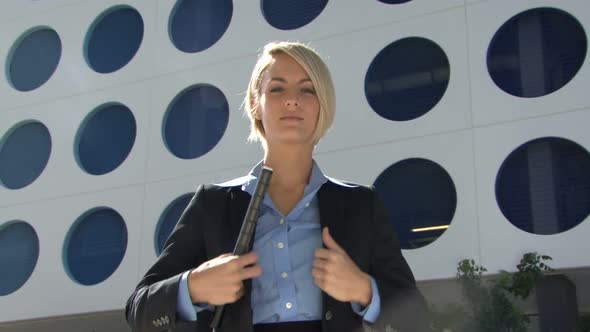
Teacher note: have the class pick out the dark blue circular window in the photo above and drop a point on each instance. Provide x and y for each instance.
(33, 58)
(95, 246)
(536, 52)
(543, 186)
(291, 14)
(420, 199)
(24, 153)
(113, 39)
(105, 138)
(19, 250)
(195, 121)
(195, 25)
(407, 79)
(394, 2)
(168, 220)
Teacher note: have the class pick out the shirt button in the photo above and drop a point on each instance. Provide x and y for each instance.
(280, 245)
(307, 204)
(284, 275)
(328, 315)
(282, 221)
(289, 305)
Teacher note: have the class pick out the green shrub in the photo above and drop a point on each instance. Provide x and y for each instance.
(491, 304)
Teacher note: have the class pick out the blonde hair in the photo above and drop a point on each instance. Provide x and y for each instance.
(318, 72)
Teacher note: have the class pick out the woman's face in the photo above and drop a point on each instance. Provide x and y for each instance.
(289, 106)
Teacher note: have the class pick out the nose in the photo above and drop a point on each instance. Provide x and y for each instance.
(291, 103)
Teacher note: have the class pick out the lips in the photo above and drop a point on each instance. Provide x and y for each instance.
(292, 118)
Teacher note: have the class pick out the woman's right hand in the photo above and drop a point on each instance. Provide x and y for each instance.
(220, 280)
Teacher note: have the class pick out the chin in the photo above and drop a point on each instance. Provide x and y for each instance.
(293, 141)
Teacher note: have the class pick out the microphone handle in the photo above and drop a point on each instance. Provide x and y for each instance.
(247, 231)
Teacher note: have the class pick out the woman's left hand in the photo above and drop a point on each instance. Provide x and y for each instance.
(336, 273)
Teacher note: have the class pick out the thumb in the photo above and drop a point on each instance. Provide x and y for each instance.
(329, 241)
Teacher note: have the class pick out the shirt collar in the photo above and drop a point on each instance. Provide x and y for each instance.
(316, 180)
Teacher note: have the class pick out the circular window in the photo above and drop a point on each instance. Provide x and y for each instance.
(113, 39)
(536, 52)
(407, 79)
(195, 25)
(95, 246)
(291, 14)
(543, 186)
(33, 58)
(105, 138)
(195, 121)
(168, 220)
(420, 199)
(24, 153)
(19, 251)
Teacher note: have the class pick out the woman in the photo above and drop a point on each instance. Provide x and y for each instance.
(324, 257)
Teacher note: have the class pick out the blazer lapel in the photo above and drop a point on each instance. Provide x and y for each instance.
(328, 218)
(329, 210)
(238, 315)
(335, 213)
(238, 204)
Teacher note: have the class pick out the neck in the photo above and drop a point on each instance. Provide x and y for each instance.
(291, 165)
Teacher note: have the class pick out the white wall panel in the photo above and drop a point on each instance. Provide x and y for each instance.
(13, 10)
(373, 12)
(50, 291)
(246, 34)
(502, 244)
(62, 175)
(349, 57)
(493, 105)
(248, 30)
(73, 75)
(232, 150)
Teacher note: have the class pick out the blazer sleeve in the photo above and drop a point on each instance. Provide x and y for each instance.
(403, 308)
(152, 306)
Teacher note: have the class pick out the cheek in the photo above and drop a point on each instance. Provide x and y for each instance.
(270, 103)
(262, 107)
(313, 104)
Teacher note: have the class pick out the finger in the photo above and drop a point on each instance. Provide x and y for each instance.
(240, 292)
(219, 260)
(325, 254)
(319, 281)
(247, 259)
(251, 272)
(233, 297)
(329, 241)
(317, 274)
(224, 258)
(320, 264)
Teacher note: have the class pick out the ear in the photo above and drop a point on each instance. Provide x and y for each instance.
(254, 108)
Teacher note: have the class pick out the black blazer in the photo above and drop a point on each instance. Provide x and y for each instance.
(210, 226)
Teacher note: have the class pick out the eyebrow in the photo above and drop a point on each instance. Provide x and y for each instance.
(281, 79)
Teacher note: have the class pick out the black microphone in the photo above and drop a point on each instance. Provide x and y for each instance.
(247, 231)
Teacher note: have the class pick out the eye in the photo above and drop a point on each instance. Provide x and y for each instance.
(308, 90)
(276, 89)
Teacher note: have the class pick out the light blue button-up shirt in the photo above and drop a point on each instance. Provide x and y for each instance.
(285, 246)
